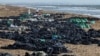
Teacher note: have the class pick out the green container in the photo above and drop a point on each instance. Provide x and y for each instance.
(86, 19)
(79, 20)
(55, 36)
(82, 25)
(92, 22)
(87, 26)
(42, 40)
(9, 22)
(82, 22)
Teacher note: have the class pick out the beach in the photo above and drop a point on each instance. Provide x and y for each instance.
(78, 50)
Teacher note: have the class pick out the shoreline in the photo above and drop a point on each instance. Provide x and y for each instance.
(80, 12)
(8, 10)
(36, 28)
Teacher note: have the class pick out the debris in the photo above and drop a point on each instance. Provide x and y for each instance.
(5, 54)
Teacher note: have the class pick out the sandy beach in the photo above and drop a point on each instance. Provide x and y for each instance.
(78, 50)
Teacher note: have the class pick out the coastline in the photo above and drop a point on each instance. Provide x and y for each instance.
(79, 50)
(8, 10)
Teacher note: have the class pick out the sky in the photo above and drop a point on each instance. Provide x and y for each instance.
(83, 2)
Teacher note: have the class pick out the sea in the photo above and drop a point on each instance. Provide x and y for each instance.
(91, 10)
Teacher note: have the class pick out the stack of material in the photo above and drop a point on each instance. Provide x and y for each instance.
(5, 54)
(50, 37)
(82, 22)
